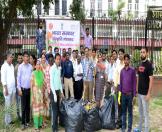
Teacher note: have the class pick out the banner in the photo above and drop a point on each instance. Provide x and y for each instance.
(63, 34)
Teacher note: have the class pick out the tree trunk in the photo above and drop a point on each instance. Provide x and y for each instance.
(4, 31)
(3, 48)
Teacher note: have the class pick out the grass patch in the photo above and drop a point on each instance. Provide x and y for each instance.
(155, 117)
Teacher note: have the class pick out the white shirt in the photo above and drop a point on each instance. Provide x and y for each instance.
(117, 71)
(74, 61)
(78, 69)
(110, 72)
(40, 30)
(8, 77)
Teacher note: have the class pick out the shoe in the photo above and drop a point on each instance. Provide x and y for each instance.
(12, 122)
(37, 130)
(23, 127)
(118, 126)
(129, 130)
(137, 130)
(122, 130)
(28, 125)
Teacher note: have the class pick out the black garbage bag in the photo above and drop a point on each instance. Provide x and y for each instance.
(92, 120)
(107, 113)
(62, 114)
(73, 115)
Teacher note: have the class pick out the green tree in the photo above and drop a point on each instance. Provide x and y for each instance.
(77, 10)
(129, 15)
(115, 14)
(9, 11)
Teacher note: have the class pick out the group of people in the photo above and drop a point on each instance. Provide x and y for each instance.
(41, 83)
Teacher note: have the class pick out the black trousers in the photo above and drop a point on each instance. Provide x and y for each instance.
(55, 110)
(25, 105)
(119, 121)
(78, 89)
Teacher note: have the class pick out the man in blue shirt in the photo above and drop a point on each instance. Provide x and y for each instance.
(68, 76)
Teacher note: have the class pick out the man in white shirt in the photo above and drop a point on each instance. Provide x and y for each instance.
(74, 58)
(104, 59)
(119, 66)
(8, 82)
(110, 74)
(78, 79)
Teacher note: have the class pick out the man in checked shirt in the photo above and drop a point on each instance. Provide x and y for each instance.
(88, 78)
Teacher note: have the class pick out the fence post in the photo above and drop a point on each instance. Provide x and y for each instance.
(93, 30)
(146, 32)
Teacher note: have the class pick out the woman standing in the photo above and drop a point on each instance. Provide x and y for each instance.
(45, 91)
(33, 61)
(43, 63)
(100, 80)
(37, 83)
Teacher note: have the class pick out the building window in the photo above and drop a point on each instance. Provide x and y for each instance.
(64, 7)
(99, 8)
(57, 8)
(46, 10)
(136, 5)
(110, 5)
(92, 8)
(92, 4)
(136, 14)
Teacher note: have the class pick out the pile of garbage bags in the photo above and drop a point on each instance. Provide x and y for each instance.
(85, 116)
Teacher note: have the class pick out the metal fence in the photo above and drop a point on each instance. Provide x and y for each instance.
(107, 35)
(127, 34)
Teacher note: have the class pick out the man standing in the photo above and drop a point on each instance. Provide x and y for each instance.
(110, 74)
(74, 58)
(117, 71)
(23, 85)
(56, 91)
(8, 82)
(88, 69)
(104, 58)
(69, 51)
(68, 72)
(40, 39)
(49, 52)
(145, 81)
(94, 57)
(115, 57)
(87, 38)
(18, 98)
(128, 90)
(78, 79)
(56, 50)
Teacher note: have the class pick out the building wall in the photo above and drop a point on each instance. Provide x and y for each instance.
(142, 7)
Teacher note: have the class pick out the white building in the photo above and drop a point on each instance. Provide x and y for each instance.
(100, 8)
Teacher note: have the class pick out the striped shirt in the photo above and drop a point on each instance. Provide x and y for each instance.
(88, 68)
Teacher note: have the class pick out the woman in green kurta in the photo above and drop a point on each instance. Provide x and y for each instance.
(37, 83)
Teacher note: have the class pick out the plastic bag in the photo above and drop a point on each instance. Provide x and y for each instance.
(107, 113)
(92, 120)
(73, 112)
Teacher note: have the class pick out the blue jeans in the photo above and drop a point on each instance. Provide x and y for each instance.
(127, 106)
(143, 112)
